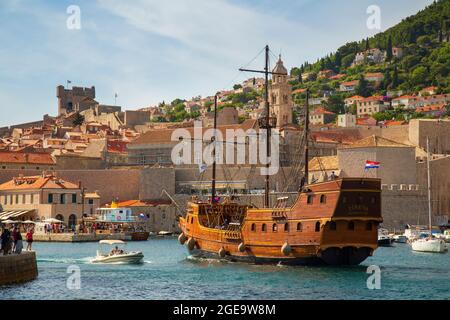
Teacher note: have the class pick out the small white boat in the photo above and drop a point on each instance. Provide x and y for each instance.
(400, 238)
(117, 254)
(384, 240)
(429, 245)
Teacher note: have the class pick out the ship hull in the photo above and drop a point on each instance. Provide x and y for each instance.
(332, 257)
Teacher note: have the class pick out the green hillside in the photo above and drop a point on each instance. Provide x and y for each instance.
(425, 62)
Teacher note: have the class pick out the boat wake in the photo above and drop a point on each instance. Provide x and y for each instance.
(86, 260)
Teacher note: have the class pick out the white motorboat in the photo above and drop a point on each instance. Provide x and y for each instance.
(117, 254)
(429, 245)
(400, 238)
(384, 240)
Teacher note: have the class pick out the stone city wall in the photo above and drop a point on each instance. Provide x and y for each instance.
(16, 268)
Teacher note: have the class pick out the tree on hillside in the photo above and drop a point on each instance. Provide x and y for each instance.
(78, 120)
(362, 89)
(389, 49)
(335, 103)
(367, 44)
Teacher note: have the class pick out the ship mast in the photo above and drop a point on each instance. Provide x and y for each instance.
(306, 178)
(213, 140)
(267, 122)
(429, 185)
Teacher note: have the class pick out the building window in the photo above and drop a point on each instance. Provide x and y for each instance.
(253, 227)
(74, 198)
(274, 227)
(317, 226)
(310, 199)
(50, 198)
(62, 198)
(91, 201)
(299, 226)
(31, 198)
(323, 198)
(351, 225)
(17, 199)
(72, 221)
(286, 227)
(263, 227)
(369, 226)
(333, 226)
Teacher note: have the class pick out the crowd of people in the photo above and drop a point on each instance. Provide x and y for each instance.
(12, 241)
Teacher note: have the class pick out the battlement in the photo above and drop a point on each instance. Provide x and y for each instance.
(400, 187)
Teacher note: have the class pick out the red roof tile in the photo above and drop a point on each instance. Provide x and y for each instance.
(26, 158)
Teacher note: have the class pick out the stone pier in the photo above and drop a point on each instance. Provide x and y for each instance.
(17, 268)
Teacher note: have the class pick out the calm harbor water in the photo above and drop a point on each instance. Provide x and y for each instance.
(169, 273)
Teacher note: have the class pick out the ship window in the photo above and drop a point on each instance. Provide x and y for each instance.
(344, 199)
(274, 227)
(253, 227)
(369, 226)
(351, 225)
(299, 226)
(323, 198)
(286, 227)
(318, 226)
(372, 200)
(264, 228)
(310, 199)
(333, 225)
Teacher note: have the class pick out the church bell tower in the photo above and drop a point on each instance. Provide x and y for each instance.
(280, 96)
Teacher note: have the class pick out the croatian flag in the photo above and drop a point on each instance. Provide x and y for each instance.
(372, 165)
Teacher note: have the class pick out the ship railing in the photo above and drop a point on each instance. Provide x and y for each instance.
(233, 231)
(279, 214)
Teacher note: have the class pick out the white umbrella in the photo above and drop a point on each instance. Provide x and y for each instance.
(52, 220)
(28, 221)
(9, 221)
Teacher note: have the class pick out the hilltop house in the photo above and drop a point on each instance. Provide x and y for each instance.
(348, 86)
(320, 116)
(370, 105)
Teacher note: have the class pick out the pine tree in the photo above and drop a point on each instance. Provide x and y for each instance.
(367, 44)
(389, 49)
(78, 120)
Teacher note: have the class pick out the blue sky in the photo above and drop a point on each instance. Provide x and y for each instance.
(150, 50)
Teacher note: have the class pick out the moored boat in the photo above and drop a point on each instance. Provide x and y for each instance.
(429, 245)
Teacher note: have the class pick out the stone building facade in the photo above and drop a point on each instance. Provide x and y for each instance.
(76, 99)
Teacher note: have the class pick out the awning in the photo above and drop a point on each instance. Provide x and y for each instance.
(13, 214)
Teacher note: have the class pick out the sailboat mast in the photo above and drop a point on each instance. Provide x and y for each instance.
(213, 139)
(429, 183)
(306, 137)
(266, 101)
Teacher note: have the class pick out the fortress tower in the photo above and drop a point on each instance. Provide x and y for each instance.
(280, 96)
(74, 100)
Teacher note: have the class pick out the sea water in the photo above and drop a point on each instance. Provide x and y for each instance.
(168, 272)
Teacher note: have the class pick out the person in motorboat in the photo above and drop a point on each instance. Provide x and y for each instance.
(116, 251)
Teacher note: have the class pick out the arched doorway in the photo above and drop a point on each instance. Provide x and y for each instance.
(60, 217)
(72, 220)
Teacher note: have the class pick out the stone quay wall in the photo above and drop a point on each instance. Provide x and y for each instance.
(17, 268)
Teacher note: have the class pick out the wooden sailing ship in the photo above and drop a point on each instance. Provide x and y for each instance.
(333, 222)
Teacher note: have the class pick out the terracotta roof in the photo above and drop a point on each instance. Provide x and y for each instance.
(335, 136)
(142, 203)
(350, 83)
(117, 146)
(405, 97)
(374, 74)
(323, 163)
(321, 110)
(390, 123)
(37, 182)
(164, 135)
(375, 141)
(26, 158)
(372, 98)
(298, 91)
(367, 121)
(354, 98)
(436, 107)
